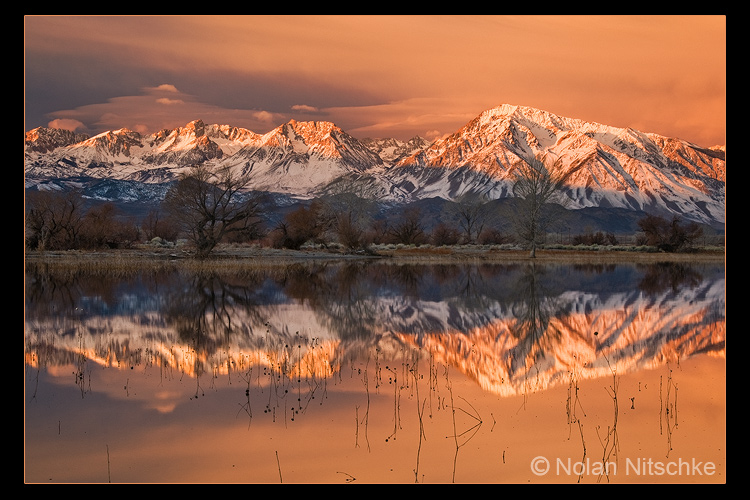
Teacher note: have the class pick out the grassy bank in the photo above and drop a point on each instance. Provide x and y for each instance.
(253, 256)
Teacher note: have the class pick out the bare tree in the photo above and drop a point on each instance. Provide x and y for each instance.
(155, 225)
(537, 187)
(470, 212)
(668, 236)
(298, 227)
(210, 205)
(409, 230)
(54, 219)
(445, 234)
(348, 208)
(103, 227)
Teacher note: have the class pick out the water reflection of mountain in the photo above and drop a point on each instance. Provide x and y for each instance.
(510, 327)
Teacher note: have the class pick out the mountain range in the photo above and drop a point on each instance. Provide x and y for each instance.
(616, 174)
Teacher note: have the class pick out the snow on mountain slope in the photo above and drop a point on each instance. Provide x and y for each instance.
(301, 158)
(609, 167)
(297, 157)
(43, 140)
(393, 150)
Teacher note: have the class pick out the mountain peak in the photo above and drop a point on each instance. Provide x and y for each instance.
(393, 150)
(312, 130)
(612, 168)
(196, 127)
(321, 140)
(527, 114)
(44, 139)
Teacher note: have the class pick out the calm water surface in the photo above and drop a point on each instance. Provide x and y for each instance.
(370, 372)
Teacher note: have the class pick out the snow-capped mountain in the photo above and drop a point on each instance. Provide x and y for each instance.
(393, 150)
(42, 139)
(612, 168)
(297, 158)
(302, 158)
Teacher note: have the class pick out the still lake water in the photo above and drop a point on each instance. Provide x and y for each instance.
(373, 372)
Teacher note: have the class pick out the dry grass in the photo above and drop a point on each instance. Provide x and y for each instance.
(253, 256)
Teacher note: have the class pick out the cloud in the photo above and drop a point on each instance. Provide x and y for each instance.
(168, 102)
(166, 87)
(264, 116)
(432, 135)
(304, 107)
(157, 108)
(387, 76)
(160, 90)
(66, 124)
(426, 117)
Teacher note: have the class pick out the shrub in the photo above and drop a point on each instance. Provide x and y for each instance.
(444, 234)
(597, 238)
(409, 229)
(298, 227)
(492, 237)
(668, 236)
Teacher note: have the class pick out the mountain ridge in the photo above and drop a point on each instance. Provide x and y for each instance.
(613, 167)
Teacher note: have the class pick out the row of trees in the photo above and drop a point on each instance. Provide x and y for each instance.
(209, 207)
(317, 223)
(62, 220)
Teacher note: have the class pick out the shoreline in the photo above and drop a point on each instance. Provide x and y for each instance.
(253, 256)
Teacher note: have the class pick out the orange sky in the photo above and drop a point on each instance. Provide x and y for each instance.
(376, 76)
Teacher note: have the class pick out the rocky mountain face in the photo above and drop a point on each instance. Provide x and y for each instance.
(610, 167)
(392, 150)
(615, 169)
(43, 140)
